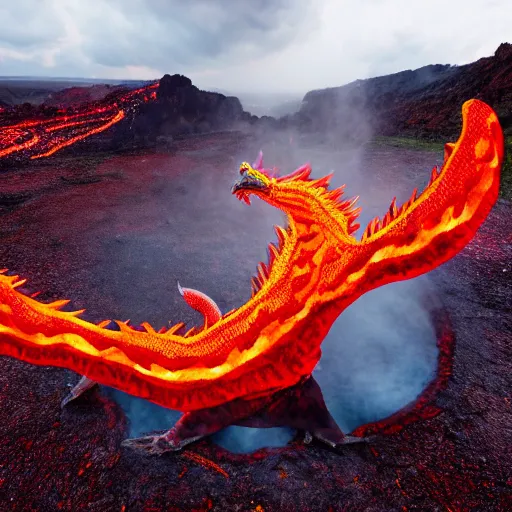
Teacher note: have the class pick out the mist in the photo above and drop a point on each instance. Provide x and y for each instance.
(380, 353)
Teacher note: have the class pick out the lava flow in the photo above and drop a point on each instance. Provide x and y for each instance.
(38, 138)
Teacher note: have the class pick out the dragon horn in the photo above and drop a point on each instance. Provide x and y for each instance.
(201, 302)
(258, 164)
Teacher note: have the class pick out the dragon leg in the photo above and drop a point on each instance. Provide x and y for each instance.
(196, 425)
(83, 385)
(301, 407)
(195, 299)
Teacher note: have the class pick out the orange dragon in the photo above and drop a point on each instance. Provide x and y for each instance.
(241, 364)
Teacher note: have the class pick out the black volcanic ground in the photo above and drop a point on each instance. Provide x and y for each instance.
(114, 233)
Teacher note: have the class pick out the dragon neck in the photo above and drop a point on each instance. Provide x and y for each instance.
(316, 271)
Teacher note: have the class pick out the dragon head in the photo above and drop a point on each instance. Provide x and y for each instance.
(302, 198)
(252, 181)
(408, 240)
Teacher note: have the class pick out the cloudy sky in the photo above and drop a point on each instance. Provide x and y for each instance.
(246, 45)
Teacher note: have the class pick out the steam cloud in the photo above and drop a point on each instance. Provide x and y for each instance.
(379, 354)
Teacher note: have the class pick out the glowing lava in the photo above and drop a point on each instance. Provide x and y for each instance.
(316, 270)
(38, 138)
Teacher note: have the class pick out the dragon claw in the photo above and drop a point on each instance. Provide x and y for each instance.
(354, 440)
(338, 443)
(83, 385)
(152, 445)
(158, 444)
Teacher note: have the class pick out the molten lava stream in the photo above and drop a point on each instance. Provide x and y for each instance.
(39, 138)
(120, 115)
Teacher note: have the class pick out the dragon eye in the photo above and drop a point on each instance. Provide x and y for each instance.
(244, 168)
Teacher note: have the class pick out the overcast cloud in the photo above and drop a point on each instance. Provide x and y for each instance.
(246, 46)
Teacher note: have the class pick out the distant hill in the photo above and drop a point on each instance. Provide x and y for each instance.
(16, 90)
(421, 103)
(114, 118)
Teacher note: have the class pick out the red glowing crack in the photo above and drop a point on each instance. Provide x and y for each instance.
(40, 138)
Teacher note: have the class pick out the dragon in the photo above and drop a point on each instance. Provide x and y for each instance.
(253, 364)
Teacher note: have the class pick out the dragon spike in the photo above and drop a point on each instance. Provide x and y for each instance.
(347, 206)
(448, 150)
(273, 253)
(410, 201)
(281, 235)
(353, 214)
(148, 327)
(352, 202)
(35, 294)
(103, 323)
(76, 313)
(190, 332)
(337, 193)
(3, 270)
(353, 228)
(254, 285)
(163, 330)
(375, 225)
(58, 304)
(393, 209)
(258, 164)
(433, 176)
(262, 271)
(123, 326)
(19, 283)
(174, 328)
(323, 182)
(371, 228)
(302, 173)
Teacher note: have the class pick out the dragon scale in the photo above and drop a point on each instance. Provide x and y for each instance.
(316, 270)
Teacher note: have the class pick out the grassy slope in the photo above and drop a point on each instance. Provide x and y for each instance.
(506, 171)
(402, 142)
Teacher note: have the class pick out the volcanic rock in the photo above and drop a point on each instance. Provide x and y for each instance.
(454, 455)
(75, 96)
(182, 109)
(418, 103)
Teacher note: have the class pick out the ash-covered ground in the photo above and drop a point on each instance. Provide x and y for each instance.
(115, 233)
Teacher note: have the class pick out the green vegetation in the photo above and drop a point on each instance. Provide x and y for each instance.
(406, 143)
(506, 172)
(425, 145)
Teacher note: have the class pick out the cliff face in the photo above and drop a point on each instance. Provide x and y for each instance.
(422, 103)
(181, 108)
(149, 116)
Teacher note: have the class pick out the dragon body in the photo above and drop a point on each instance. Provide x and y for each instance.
(316, 270)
